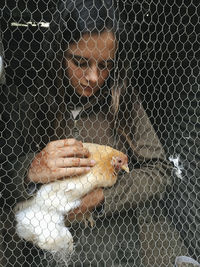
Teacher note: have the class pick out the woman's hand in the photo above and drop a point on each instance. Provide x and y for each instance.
(60, 159)
(88, 203)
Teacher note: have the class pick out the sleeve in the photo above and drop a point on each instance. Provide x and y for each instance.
(16, 187)
(16, 153)
(148, 177)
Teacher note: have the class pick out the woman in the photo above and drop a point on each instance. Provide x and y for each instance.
(84, 96)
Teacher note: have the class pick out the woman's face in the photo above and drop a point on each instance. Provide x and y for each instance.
(89, 62)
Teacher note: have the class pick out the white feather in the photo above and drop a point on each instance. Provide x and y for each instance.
(40, 220)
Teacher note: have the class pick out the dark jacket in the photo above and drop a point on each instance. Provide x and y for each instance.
(129, 131)
(38, 121)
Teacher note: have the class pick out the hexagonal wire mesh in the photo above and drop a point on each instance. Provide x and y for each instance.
(124, 74)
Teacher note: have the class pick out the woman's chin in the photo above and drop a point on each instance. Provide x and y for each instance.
(87, 92)
(87, 95)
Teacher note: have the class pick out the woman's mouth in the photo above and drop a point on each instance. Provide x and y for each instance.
(87, 90)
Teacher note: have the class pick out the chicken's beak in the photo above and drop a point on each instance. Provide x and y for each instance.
(125, 168)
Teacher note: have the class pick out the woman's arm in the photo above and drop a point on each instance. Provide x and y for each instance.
(148, 179)
(151, 175)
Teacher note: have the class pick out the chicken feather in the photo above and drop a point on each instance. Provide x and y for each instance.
(41, 219)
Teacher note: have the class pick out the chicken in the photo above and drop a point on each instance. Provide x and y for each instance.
(41, 219)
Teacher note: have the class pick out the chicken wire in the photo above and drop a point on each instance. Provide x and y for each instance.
(162, 58)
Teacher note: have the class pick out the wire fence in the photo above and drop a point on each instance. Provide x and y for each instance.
(121, 74)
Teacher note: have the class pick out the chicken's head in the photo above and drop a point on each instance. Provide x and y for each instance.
(109, 162)
(113, 163)
(119, 163)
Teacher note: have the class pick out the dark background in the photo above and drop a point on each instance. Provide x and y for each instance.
(164, 55)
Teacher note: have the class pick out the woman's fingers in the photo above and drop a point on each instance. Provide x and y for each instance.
(72, 162)
(67, 148)
(73, 151)
(60, 159)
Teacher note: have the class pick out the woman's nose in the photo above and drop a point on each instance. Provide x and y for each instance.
(92, 74)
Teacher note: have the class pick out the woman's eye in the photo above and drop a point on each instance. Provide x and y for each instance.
(80, 63)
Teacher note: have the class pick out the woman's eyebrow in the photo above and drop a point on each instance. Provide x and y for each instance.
(69, 55)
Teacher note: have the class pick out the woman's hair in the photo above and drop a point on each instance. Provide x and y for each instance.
(74, 18)
(71, 20)
(91, 16)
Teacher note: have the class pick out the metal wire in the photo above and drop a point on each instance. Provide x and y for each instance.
(149, 220)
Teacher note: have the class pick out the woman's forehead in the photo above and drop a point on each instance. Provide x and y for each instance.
(95, 45)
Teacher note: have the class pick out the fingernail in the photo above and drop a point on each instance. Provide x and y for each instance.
(93, 161)
(88, 168)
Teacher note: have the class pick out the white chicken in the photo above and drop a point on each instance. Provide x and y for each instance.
(41, 219)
